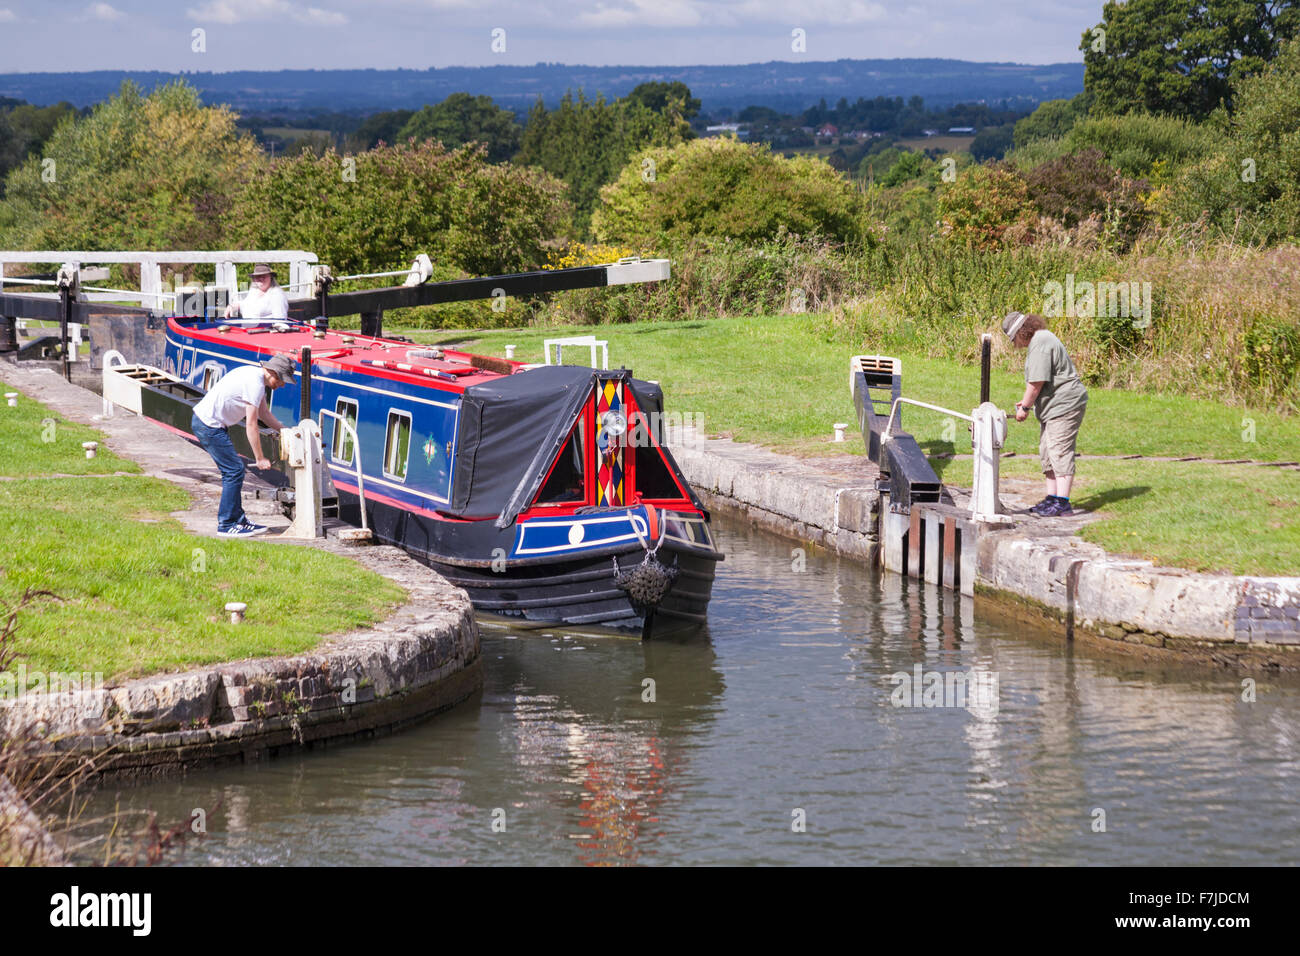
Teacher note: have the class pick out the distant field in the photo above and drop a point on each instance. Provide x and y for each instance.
(289, 132)
(949, 144)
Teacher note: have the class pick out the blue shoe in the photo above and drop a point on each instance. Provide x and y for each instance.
(245, 529)
(1058, 508)
(1042, 506)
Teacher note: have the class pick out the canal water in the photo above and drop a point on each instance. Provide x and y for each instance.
(807, 726)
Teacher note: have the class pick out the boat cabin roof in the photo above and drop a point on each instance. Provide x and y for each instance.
(442, 368)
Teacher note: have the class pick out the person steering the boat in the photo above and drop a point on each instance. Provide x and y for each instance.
(265, 299)
(240, 393)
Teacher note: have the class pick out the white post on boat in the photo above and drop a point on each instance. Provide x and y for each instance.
(300, 447)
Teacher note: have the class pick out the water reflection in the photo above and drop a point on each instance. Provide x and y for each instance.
(597, 751)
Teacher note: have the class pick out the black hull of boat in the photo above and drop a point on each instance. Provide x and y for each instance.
(579, 593)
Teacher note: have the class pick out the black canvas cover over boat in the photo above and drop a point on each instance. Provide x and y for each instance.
(510, 430)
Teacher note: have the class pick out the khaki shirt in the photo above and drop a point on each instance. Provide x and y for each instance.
(1049, 363)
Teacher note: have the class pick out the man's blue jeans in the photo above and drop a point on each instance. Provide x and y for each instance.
(216, 442)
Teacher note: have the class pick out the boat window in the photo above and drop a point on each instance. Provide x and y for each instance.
(397, 445)
(342, 451)
(653, 479)
(210, 375)
(565, 482)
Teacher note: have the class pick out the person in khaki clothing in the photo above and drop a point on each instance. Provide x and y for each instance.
(1054, 389)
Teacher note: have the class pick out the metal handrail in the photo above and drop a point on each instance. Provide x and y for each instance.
(126, 293)
(356, 447)
(886, 437)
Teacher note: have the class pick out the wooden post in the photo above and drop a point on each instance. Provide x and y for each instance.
(986, 365)
(933, 528)
(893, 529)
(304, 385)
(914, 543)
(65, 315)
(966, 557)
(949, 576)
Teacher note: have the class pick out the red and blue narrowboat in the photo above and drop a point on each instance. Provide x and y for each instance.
(546, 492)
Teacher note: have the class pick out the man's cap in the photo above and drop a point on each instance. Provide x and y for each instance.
(1012, 323)
(262, 269)
(281, 366)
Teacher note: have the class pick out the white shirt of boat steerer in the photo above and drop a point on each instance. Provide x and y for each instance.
(227, 401)
(264, 300)
(271, 304)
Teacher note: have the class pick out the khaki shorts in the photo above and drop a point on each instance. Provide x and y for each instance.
(1056, 443)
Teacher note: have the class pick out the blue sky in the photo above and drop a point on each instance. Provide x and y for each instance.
(57, 35)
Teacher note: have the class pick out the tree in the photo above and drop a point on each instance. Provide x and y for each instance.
(1052, 119)
(1136, 142)
(991, 142)
(1084, 186)
(379, 128)
(759, 116)
(673, 100)
(384, 206)
(461, 119)
(1255, 173)
(587, 142)
(981, 208)
(24, 130)
(139, 172)
(723, 187)
(1176, 57)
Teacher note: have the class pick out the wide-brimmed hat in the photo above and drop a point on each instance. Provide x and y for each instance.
(1012, 323)
(262, 269)
(281, 366)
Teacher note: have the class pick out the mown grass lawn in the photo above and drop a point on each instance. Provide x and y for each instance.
(782, 382)
(1238, 519)
(35, 440)
(137, 593)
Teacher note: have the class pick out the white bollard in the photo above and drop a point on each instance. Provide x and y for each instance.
(510, 351)
(300, 447)
(12, 399)
(988, 434)
(90, 447)
(236, 609)
(839, 430)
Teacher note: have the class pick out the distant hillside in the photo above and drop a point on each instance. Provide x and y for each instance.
(784, 86)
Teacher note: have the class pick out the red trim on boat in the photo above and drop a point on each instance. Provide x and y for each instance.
(361, 352)
(385, 499)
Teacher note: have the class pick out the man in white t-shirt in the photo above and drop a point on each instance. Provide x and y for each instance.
(239, 394)
(265, 299)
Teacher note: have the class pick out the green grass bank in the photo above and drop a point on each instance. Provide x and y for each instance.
(137, 594)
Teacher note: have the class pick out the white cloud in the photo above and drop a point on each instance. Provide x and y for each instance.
(326, 18)
(7, 15)
(253, 11)
(653, 13)
(105, 12)
(729, 13)
(834, 12)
